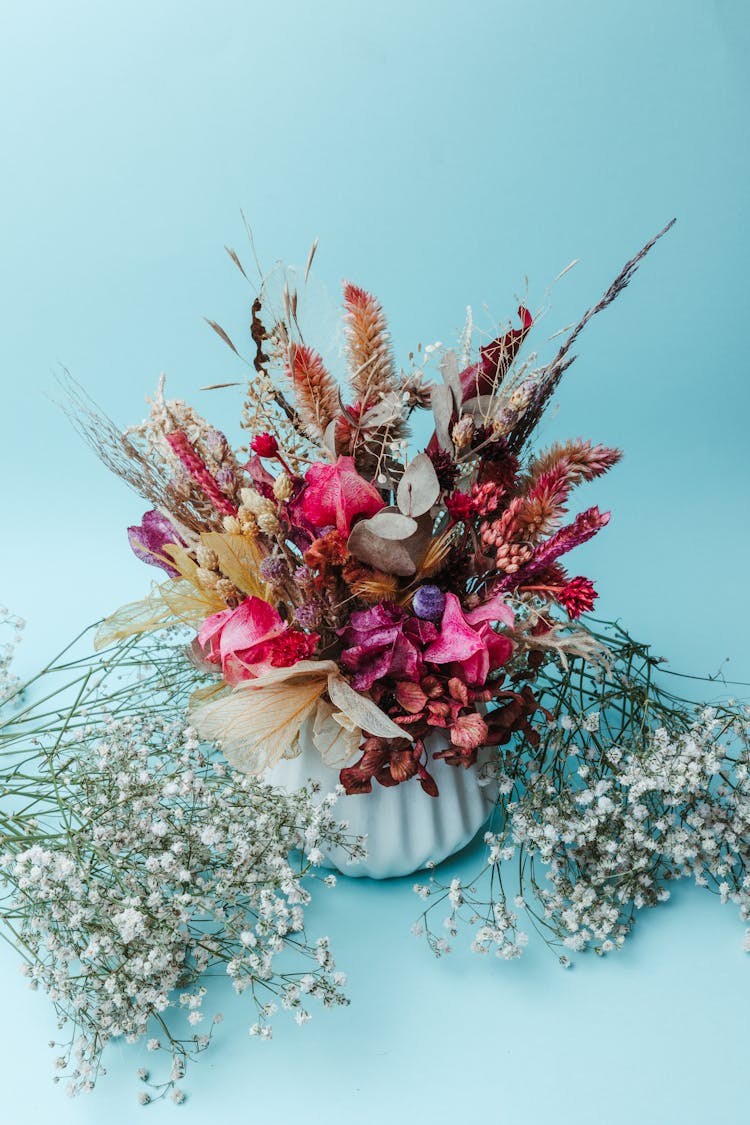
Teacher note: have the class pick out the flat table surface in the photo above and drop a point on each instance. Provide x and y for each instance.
(445, 156)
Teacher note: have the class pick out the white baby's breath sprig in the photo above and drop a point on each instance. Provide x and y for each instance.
(133, 863)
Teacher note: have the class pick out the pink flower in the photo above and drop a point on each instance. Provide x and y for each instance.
(251, 640)
(468, 639)
(336, 495)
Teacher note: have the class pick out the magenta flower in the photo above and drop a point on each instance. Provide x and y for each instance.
(336, 495)
(385, 641)
(149, 538)
(469, 641)
(251, 640)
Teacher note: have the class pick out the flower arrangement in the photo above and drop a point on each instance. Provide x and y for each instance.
(408, 612)
(334, 579)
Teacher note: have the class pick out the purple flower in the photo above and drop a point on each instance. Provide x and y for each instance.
(429, 603)
(385, 641)
(149, 538)
(275, 569)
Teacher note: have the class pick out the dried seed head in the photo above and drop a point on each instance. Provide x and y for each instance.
(282, 487)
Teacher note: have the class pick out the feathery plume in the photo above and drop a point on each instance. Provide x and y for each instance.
(555, 370)
(580, 459)
(583, 528)
(316, 393)
(372, 372)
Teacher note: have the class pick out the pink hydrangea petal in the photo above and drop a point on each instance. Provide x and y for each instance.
(500, 649)
(210, 628)
(496, 609)
(336, 494)
(457, 640)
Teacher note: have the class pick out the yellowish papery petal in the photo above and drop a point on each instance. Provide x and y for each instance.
(239, 559)
(181, 561)
(175, 601)
(143, 616)
(204, 694)
(259, 723)
(361, 709)
(190, 605)
(337, 743)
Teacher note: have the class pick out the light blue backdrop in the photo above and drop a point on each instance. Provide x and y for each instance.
(444, 154)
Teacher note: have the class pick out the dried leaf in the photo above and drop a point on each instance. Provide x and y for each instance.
(144, 616)
(419, 487)
(482, 407)
(385, 413)
(441, 401)
(329, 437)
(206, 693)
(361, 709)
(451, 377)
(390, 524)
(418, 543)
(220, 332)
(388, 555)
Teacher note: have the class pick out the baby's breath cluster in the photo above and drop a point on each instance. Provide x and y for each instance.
(135, 866)
(629, 789)
(11, 629)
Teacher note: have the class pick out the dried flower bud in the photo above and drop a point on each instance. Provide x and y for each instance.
(521, 396)
(206, 557)
(504, 422)
(268, 523)
(226, 589)
(231, 524)
(226, 480)
(282, 487)
(265, 445)
(463, 432)
(248, 523)
(309, 615)
(207, 578)
(257, 504)
(275, 570)
(216, 444)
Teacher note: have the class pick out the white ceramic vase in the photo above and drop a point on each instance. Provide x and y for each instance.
(405, 828)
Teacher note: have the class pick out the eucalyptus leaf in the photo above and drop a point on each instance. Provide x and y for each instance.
(419, 487)
(482, 407)
(390, 524)
(387, 555)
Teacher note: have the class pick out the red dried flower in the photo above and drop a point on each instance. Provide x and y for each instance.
(265, 445)
(459, 505)
(445, 468)
(578, 596)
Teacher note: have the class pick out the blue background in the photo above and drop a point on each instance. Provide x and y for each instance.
(445, 155)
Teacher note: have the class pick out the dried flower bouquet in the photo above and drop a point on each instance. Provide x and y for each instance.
(329, 581)
(337, 581)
